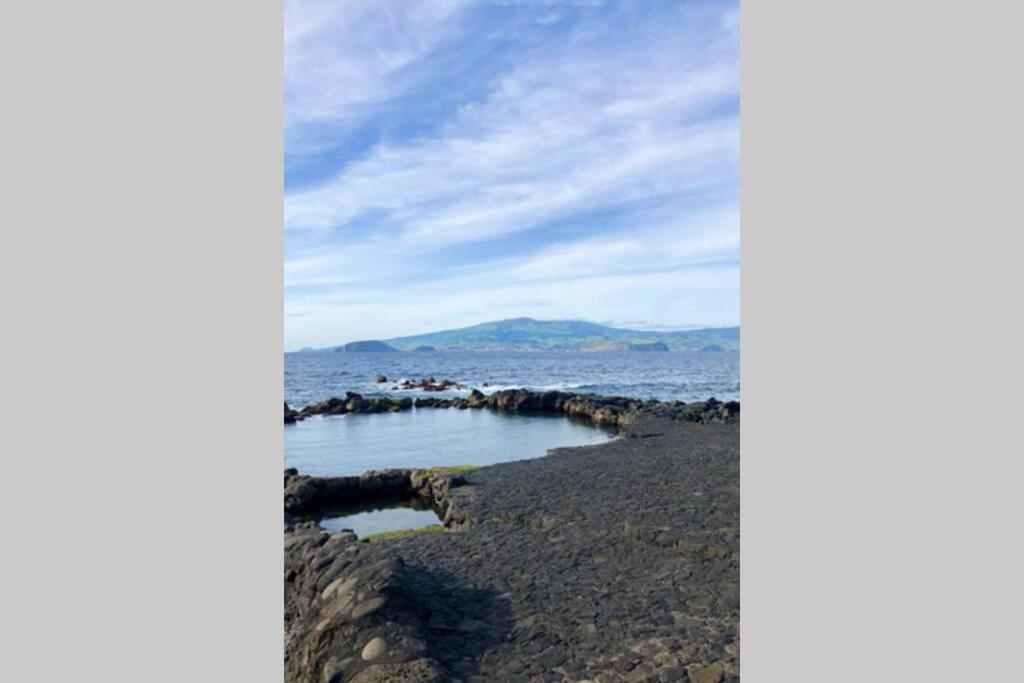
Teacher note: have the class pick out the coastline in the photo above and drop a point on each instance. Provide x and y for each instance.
(613, 411)
(614, 562)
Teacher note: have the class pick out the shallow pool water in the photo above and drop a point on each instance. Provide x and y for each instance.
(422, 438)
(375, 518)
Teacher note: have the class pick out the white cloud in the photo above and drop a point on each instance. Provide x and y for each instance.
(600, 121)
(342, 55)
(682, 271)
(556, 135)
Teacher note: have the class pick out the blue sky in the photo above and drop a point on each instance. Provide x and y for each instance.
(451, 162)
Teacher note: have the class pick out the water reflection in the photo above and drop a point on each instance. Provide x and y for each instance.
(380, 515)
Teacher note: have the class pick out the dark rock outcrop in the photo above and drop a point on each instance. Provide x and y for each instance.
(306, 496)
(353, 403)
(608, 411)
(614, 411)
(430, 384)
(348, 615)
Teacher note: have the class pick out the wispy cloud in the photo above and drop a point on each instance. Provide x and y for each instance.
(599, 149)
(340, 55)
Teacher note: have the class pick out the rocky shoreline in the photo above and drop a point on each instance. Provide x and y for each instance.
(608, 563)
(614, 411)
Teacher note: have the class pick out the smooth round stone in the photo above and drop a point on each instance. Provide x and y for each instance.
(364, 608)
(374, 649)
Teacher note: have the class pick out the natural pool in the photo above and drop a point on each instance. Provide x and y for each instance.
(373, 518)
(421, 438)
(342, 445)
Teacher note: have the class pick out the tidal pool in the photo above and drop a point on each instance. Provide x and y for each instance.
(346, 445)
(373, 518)
(342, 445)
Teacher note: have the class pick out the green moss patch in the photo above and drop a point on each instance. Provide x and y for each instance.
(386, 535)
(452, 469)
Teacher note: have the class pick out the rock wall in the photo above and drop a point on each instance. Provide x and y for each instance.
(613, 411)
(306, 496)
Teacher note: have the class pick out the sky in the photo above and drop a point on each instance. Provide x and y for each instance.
(452, 162)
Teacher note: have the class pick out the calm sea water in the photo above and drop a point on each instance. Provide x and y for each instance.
(338, 445)
(687, 376)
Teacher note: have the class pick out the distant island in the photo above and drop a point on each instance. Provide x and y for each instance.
(527, 334)
(364, 346)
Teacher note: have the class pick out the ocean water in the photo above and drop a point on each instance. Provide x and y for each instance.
(686, 376)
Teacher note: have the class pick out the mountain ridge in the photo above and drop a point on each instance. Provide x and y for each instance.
(529, 334)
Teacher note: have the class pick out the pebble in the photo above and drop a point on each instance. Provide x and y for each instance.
(374, 649)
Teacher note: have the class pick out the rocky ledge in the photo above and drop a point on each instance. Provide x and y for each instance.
(606, 564)
(615, 411)
(306, 496)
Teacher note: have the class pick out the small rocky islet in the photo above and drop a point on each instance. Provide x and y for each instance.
(608, 563)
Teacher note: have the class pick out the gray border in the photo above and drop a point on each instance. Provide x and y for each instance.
(142, 347)
(143, 341)
(880, 529)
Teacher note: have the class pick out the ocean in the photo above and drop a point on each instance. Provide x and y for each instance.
(686, 376)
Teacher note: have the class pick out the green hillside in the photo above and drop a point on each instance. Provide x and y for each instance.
(527, 334)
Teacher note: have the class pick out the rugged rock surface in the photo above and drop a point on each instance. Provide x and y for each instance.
(349, 615)
(352, 403)
(611, 563)
(306, 496)
(429, 384)
(613, 411)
